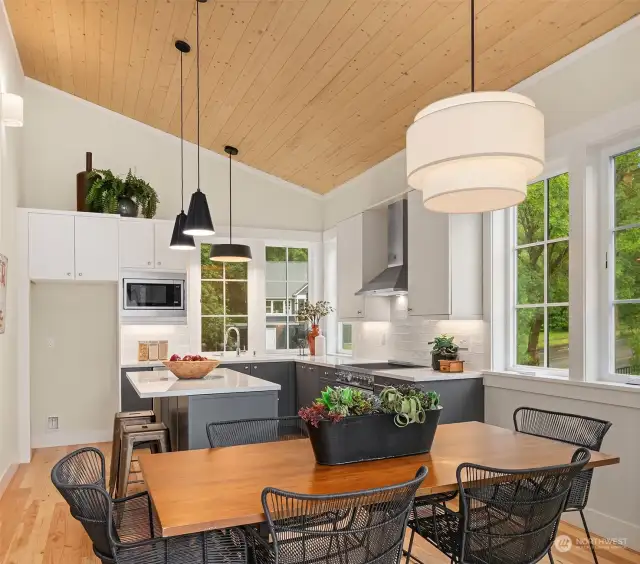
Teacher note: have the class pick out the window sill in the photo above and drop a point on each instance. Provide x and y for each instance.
(611, 393)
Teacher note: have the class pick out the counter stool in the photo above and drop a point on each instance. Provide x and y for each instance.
(155, 435)
(130, 418)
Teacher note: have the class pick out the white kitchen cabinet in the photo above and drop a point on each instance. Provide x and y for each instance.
(445, 263)
(51, 246)
(96, 248)
(137, 243)
(165, 257)
(361, 255)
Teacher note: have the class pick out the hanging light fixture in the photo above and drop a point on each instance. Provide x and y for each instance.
(475, 152)
(230, 252)
(198, 217)
(179, 240)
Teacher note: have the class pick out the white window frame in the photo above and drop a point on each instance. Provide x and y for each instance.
(513, 306)
(348, 352)
(608, 230)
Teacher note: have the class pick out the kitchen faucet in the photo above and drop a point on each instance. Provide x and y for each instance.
(226, 339)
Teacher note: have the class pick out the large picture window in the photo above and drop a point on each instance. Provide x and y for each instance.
(541, 258)
(223, 304)
(287, 286)
(624, 265)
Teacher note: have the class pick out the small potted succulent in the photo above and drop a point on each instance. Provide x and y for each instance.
(108, 193)
(313, 313)
(347, 425)
(443, 349)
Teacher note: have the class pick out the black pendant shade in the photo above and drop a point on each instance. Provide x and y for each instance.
(230, 252)
(179, 240)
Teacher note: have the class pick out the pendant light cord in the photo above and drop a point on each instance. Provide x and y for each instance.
(181, 139)
(198, 84)
(473, 46)
(230, 202)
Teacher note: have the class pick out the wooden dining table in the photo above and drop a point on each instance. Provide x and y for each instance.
(199, 490)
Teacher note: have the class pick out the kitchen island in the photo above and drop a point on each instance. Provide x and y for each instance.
(186, 406)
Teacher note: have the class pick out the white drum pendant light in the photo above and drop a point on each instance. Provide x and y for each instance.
(475, 152)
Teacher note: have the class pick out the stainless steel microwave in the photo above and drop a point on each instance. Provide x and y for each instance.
(151, 296)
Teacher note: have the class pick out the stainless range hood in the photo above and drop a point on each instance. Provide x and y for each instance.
(393, 280)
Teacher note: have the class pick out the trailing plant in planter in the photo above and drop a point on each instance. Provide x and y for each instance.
(109, 193)
(443, 349)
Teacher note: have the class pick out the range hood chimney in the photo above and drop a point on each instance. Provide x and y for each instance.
(393, 280)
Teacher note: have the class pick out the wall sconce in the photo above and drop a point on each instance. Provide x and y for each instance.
(11, 110)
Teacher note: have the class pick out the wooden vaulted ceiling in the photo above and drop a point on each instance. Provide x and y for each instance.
(312, 91)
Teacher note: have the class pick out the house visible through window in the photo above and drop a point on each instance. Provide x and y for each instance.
(624, 265)
(541, 323)
(223, 303)
(287, 286)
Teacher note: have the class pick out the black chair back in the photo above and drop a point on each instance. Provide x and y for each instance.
(253, 431)
(358, 528)
(577, 430)
(512, 516)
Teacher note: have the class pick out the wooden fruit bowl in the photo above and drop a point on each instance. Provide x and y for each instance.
(190, 370)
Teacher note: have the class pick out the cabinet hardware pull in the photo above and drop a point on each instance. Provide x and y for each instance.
(68, 273)
(79, 273)
(255, 367)
(149, 263)
(359, 312)
(159, 263)
(409, 309)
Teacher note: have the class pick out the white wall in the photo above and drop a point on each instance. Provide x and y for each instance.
(60, 128)
(614, 503)
(74, 362)
(11, 80)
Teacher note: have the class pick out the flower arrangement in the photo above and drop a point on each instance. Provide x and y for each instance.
(314, 312)
(407, 403)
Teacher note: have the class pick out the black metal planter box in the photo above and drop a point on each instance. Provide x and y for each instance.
(371, 437)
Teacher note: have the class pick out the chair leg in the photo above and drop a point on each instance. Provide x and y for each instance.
(126, 453)
(586, 530)
(550, 557)
(408, 551)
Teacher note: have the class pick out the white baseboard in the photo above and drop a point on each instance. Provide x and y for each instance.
(607, 526)
(6, 478)
(58, 438)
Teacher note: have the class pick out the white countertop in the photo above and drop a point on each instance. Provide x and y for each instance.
(417, 374)
(163, 384)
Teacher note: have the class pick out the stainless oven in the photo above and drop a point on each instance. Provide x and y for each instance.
(154, 295)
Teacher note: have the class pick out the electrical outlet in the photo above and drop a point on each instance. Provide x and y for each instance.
(463, 343)
(52, 422)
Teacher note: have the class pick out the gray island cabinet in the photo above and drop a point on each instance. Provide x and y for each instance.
(186, 406)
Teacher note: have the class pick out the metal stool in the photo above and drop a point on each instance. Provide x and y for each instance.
(120, 419)
(155, 434)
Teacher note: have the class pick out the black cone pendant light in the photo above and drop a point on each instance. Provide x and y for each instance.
(230, 252)
(179, 240)
(198, 217)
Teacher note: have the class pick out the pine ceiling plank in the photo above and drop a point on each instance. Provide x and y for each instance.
(124, 37)
(315, 40)
(75, 9)
(63, 44)
(48, 61)
(582, 33)
(330, 64)
(92, 16)
(214, 20)
(159, 38)
(287, 12)
(227, 71)
(108, 28)
(431, 29)
(238, 125)
(22, 28)
(169, 70)
(392, 40)
(145, 16)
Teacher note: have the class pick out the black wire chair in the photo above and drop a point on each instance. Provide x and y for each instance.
(505, 517)
(226, 546)
(568, 428)
(355, 528)
(80, 479)
(252, 431)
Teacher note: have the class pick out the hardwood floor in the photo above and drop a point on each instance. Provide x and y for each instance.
(36, 527)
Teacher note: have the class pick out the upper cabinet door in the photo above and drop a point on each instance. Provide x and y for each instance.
(96, 244)
(429, 264)
(51, 244)
(137, 243)
(350, 266)
(166, 258)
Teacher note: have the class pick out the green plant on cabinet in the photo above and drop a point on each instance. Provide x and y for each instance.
(107, 190)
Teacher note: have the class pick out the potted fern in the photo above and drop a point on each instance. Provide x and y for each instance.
(109, 193)
(346, 425)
